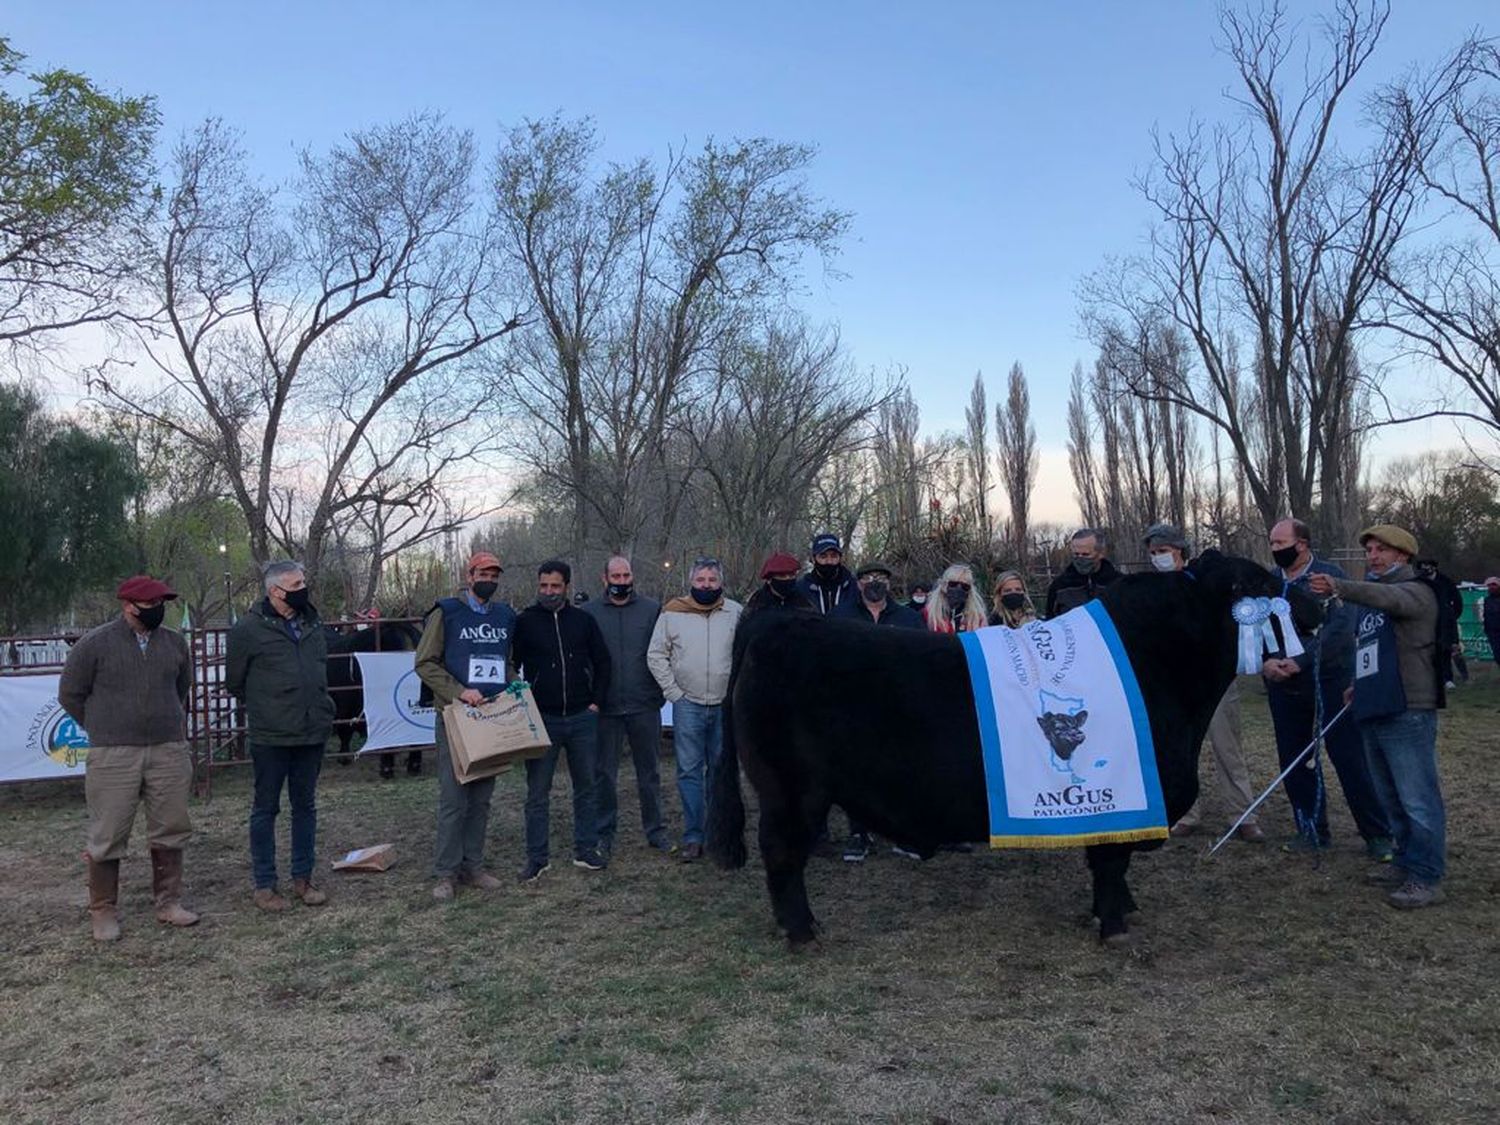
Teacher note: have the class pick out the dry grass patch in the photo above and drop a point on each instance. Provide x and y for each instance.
(968, 989)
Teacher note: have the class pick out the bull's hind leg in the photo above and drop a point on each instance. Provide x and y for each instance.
(786, 839)
(1112, 898)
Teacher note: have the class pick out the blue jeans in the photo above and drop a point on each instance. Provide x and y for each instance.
(1292, 717)
(297, 767)
(1402, 754)
(643, 730)
(578, 735)
(698, 739)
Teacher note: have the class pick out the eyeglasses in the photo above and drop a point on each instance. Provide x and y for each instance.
(964, 586)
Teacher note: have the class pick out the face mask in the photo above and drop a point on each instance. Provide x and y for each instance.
(1012, 600)
(783, 587)
(297, 599)
(484, 591)
(828, 571)
(957, 597)
(875, 592)
(151, 616)
(620, 590)
(552, 602)
(1164, 561)
(1085, 566)
(705, 597)
(1284, 556)
(919, 599)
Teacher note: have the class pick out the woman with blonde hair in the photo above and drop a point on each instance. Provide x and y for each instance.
(956, 604)
(1013, 606)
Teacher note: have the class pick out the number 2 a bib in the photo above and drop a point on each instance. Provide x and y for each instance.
(1378, 691)
(486, 670)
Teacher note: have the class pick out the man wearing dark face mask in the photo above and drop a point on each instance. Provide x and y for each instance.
(277, 667)
(875, 606)
(690, 655)
(127, 683)
(558, 648)
(1084, 578)
(632, 709)
(829, 584)
(1299, 688)
(779, 586)
(462, 656)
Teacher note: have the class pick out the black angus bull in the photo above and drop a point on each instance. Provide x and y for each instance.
(346, 685)
(881, 722)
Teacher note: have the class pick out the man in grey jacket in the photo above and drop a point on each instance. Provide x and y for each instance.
(1395, 697)
(127, 684)
(632, 706)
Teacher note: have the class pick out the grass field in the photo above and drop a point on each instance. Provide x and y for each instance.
(1262, 987)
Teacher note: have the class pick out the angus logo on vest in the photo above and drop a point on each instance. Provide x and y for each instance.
(484, 633)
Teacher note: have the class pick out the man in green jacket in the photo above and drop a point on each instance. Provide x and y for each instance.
(277, 667)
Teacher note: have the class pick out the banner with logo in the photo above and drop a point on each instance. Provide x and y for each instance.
(37, 738)
(1068, 755)
(392, 715)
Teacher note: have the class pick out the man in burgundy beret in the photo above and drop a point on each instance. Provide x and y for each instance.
(127, 684)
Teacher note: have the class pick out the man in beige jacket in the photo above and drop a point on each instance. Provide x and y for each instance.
(690, 655)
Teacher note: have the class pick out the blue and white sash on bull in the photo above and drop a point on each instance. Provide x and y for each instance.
(1068, 756)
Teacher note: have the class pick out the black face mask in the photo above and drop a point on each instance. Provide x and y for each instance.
(620, 590)
(957, 597)
(484, 591)
(1012, 600)
(297, 599)
(552, 602)
(705, 597)
(828, 572)
(1285, 556)
(150, 616)
(875, 591)
(783, 588)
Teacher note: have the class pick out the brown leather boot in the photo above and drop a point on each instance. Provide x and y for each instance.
(104, 894)
(166, 884)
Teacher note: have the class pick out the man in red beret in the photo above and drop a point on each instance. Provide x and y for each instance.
(127, 684)
(779, 589)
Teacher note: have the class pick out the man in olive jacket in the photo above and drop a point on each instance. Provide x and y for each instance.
(277, 667)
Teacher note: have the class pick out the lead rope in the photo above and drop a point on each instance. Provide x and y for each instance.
(1307, 824)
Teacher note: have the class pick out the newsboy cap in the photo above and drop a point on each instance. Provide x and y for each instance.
(144, 588)
(874, 566)
(1165, 535)
(1397, 538)
(780, 563)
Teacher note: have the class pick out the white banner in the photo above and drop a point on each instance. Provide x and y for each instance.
(37, 738)
(392, 714)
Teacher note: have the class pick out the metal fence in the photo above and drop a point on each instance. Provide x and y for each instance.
(216, 727)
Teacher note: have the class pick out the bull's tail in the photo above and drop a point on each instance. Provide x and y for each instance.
(726, 810)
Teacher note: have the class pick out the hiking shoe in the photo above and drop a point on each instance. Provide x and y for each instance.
(857, 848)
(309, 894)
(267, 899)
(1180, 829)
(590, 860)
(442, 890)
(1380, 848)
(660, 844)
(534, 870)
(1415, 894)
(481, 880)
(690, 853)
(1388, 876)
(897, 849)
(1251, 833)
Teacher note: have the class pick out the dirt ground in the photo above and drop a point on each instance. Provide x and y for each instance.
(1263, 986)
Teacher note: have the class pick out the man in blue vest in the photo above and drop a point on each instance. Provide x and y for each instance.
(462, 654)
(1301, 690)
(1395, 695)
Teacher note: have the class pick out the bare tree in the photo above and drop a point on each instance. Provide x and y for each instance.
(328, 355)
(977, 450)
(1267, 230)
(1015, 443)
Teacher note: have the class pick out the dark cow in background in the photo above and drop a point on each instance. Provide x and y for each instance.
(346, 685)
(881, 722)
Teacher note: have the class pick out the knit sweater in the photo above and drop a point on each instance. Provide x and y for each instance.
(124, 695)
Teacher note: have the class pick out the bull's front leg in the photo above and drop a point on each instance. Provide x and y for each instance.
(786, 839)
(1112, 899)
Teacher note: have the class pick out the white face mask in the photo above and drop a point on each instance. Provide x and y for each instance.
(1164, 561)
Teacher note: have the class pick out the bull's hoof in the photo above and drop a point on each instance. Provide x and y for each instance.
(803, 945)
(1122, 939)
(1134, 918)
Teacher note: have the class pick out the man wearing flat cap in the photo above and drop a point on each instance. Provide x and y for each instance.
(462, 655)
(1395, 698)
(875, 605)
(127, 684)
(779, 586)
(1167, 548)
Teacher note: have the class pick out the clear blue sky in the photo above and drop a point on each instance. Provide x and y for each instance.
(985, 149)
